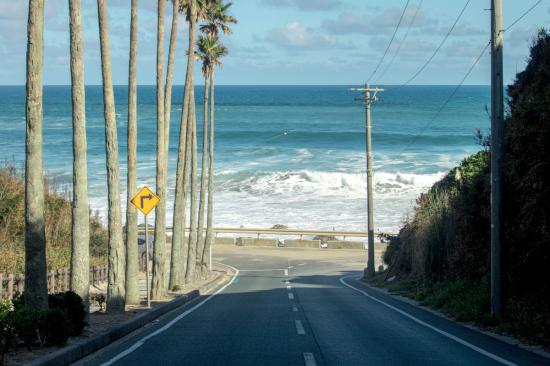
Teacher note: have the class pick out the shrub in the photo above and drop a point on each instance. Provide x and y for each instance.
(26, 325)
(54, 328)
(70, 304)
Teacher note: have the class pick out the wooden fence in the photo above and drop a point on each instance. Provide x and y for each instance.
(58, 281)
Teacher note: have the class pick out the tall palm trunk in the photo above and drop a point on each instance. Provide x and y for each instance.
(170, 76)
(202, 197)
(178, 263)
(132, 253)
(80, 253)
(209, 240)
(36, 290)
(190, 273)
(115, 287)
(158, 286)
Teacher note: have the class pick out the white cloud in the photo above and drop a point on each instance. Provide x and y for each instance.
(294, 36)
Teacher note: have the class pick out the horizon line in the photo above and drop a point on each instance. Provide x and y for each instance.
(287, 85)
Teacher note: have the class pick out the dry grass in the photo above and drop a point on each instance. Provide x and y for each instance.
(58, 226)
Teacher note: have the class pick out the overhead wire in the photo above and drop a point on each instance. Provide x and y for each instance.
(413, 19)
(523, 15)
(451, 96)
(390, 42)
(423, 67)
(444, 105)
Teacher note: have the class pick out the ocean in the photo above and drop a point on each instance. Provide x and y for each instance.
(290, 155)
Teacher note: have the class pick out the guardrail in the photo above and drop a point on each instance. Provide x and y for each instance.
(293, 232)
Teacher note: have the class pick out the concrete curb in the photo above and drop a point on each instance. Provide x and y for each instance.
(538, 350)
(83, 348)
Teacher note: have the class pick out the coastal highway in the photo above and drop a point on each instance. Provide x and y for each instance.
(305, 307)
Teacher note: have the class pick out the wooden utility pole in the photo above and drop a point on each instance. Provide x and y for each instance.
(497, 144)
(367, 99)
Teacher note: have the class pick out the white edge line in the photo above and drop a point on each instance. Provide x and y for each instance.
(140, 342)
(309, 359)
(290, 296)
(299, 327)
(442, 332)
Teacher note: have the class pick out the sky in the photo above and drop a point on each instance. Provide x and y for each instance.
(288, 42)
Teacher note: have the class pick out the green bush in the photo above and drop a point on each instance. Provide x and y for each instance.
(445, 246)
(72, 306)
(26, 325)
(54, 327)
(6, 331)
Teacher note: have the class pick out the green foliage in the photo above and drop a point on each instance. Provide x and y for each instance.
(53, 327)
(58, 226)
(445, 247)
(71, 305)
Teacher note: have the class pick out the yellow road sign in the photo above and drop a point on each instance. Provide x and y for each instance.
(145, 200)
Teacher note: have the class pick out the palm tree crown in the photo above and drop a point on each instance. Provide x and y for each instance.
(217, 18)
(210, 51)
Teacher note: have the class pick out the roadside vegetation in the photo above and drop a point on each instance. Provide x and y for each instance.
(441, 256)
(58, 226)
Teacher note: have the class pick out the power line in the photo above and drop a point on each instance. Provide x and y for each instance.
(444, 105)
(440, 45)
(391, 41)
(402, 41)
(523, 15)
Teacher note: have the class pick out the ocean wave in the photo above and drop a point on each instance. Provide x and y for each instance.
(320, 183)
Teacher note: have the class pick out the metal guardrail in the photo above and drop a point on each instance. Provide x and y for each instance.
(297, 232)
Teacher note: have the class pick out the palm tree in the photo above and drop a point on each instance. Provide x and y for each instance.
(36, 289)
(217, 18)
(170, 73)
(115, 287)
(211, 51)
(158, 286)
(178, 263)
(204, 53)
(80, 254)
(132, 253)
(190, 273)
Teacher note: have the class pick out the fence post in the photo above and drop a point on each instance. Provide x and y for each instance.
(52, 276)
(20, 284)
(67, 279)
(10, 287)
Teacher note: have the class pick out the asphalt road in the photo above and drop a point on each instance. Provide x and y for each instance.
(305, 307)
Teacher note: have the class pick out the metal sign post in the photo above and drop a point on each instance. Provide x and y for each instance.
(147, 286)
(145, 201)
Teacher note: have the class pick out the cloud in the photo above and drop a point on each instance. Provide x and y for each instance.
(384, 22)
(305, 5)
(294, 36)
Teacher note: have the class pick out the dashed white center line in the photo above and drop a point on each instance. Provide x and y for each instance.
(291, 296)
(286, 272)
(309, 359)
(299, 327)
(294, 308)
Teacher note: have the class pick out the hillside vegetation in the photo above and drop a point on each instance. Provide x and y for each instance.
(58, 227)
(442, 254)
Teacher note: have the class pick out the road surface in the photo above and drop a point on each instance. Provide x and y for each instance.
(305, 307)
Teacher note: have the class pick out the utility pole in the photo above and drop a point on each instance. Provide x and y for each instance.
(367, 100)
(497, 145)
